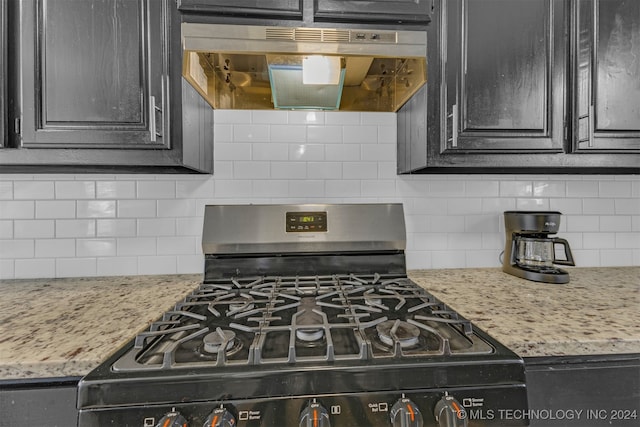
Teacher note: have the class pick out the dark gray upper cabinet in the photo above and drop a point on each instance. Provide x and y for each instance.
(410, 11)
(93, 74)
(317, 11)
(91, 89)
(498, 95)
(607, 70)
(254, 8)
(3, 74)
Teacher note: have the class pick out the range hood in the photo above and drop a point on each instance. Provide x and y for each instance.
(260, 67)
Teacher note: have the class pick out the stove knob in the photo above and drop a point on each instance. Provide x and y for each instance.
(220, 417)
(450, 413)
(405, 413)
(172, 419)
(314, 415)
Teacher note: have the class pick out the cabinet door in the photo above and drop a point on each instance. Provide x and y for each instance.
(410, 11)
(261, 8)
(93, 74)
(607, 75)
(505, 76)
(3, 74)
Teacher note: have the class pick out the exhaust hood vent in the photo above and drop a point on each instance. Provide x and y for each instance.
(256, 67)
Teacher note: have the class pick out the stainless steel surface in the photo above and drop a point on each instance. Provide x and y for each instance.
(253, 229)
(228, 64)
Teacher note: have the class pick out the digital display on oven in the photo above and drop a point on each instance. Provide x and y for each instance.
(306, 222)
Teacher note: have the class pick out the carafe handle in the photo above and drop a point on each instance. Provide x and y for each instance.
(567, 251)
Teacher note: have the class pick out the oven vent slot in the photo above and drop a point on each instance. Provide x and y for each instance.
(307, 34)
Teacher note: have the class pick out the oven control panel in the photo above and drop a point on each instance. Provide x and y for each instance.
(306, 222)
(503, 406)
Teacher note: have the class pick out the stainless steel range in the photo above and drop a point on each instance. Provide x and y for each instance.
(306, 317)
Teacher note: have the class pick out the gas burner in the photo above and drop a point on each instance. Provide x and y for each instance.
(309, 335)
(392, 331)
(214, 341)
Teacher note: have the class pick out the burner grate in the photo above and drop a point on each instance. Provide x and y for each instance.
(297, 320)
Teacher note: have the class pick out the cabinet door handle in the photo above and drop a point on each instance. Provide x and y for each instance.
(152, 118)
(454, 125)
(592, 125)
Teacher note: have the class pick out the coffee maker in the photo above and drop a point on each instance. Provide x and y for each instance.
(530, 252)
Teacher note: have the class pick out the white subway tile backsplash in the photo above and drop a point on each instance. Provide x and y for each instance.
(108, 224)
(342, 118)
(512, 188)
(193, 188)
(324, 170)
(136, 209)
(35, 268)
(306, 152)
(157, 227)
(598, 240)
(270, 151)
(251, 133)
(615, 223)
(360, 134)
(614, 188)
(627, 206)
(251, 170)
(6, 229)
(288, 170)
(59, 248)
(130, 246)
(33, 190)
(16, 249)
(190, 264)
(549, 189)
(156, 189)
(617, 257)
(76, 267)
(176, 208)
(10, 209)
(324, 134)
(342, 188)
(157, 265)
(306, 117)
(378, 188)
(96, 209)
(271, 188)
(342, 152)
(360, 170)
(232, 151)
(582, 188)
(378, 152)
(56, 209)
(95, 247)
(6, 190)
(75, 190)
(117, 266)
(115, 190)
(532, 204)
(288, 133)
(33, 229)
(176, 245)
(7, 270)
(75, 228)
(592, 206)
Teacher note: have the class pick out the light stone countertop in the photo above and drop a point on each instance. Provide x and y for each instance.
(597, 312)
(66, 327)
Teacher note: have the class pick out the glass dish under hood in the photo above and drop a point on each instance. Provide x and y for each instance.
(254, 67)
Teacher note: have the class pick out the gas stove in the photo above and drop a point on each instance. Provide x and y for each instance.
(306, 317)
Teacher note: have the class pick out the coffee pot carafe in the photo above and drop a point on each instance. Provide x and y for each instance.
(530, 252)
